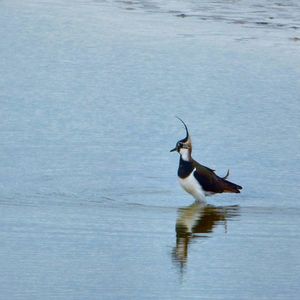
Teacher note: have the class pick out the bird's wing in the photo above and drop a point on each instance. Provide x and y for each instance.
(210, 181)
(202, 169)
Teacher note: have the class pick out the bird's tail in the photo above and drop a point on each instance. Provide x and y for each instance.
(230, 187)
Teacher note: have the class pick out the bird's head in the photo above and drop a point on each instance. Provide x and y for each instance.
(184, 146)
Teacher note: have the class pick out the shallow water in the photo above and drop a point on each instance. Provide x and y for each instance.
(89, 201)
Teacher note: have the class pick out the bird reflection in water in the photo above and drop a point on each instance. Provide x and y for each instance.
(198, 221)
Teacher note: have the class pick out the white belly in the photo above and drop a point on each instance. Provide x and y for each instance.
(192, 186)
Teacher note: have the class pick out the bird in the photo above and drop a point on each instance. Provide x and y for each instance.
(197, 179)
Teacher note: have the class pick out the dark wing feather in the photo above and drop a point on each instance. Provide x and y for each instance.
(197, 165)
(211, 182)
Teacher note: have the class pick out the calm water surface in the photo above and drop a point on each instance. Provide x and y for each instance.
(90, 207)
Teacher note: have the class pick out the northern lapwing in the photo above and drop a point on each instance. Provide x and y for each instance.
(196, 179)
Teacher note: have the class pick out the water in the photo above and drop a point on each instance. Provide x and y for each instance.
(89, 201)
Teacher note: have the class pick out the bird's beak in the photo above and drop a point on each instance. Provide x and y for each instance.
(173, 149)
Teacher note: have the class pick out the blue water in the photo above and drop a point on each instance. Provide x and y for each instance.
(90, 206)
